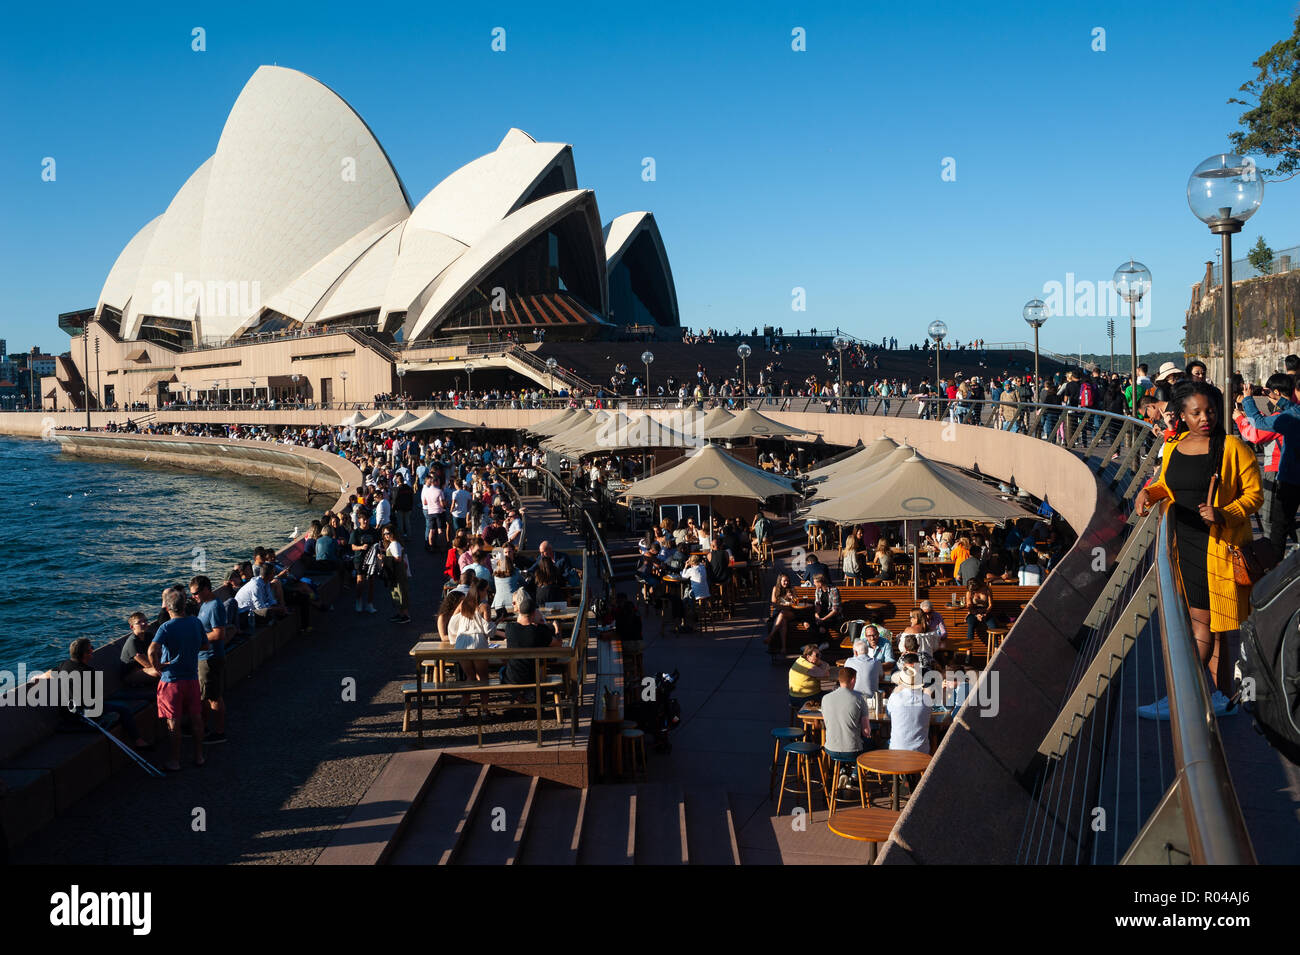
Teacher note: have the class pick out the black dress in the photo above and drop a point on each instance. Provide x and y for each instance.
(1188, 479)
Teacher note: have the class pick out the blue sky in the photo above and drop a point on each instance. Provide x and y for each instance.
(775, 169)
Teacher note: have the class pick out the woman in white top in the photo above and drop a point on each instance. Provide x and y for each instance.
(1031, 574)
(469, 628)
(397, 564)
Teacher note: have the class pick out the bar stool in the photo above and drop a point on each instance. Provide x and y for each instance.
(806, 756)
(834, 762)
(633, 742)
(780, 735)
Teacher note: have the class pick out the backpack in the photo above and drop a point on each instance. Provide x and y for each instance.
(1087, 397)
(1270, 658)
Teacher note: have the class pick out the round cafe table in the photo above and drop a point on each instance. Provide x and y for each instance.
(896, 763)
(864, 825)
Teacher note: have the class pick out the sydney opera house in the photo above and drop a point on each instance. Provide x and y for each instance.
(298, 229)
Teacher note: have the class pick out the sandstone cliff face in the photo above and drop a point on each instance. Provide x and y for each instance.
(1266, 325)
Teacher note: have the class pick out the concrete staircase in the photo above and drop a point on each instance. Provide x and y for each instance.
(477, 814)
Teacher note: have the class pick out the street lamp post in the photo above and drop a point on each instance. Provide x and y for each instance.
(99, 389)
(937, 331)
(85, 364)
(1110, 331)
(744, 351)
(344, 375)
(469, 380)
(841, 343)
(401, 385)
(1035, 313)
(1223, 192)
(295, 379)
(550, 371)
(647, 357)
(1133, 281)
(252, 387)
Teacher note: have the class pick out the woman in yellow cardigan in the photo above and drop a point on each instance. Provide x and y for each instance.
(1214, 482)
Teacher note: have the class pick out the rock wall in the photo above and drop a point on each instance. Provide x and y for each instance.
(1266, 325)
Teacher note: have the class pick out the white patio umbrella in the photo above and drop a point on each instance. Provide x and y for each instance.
(750, 424)
(862, 458)
(402, 419)
(434, 421)
(378, 420)
(352, 420)
(710, 472)
(563, 421)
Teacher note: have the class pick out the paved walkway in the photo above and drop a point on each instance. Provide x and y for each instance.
(731, 696)
(300, 756)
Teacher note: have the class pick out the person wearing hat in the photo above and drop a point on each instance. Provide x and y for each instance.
(1166, 378)
(909, 711)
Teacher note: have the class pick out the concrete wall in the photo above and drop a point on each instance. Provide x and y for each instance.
(315, 470)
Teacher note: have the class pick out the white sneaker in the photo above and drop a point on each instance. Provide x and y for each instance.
(370, 608)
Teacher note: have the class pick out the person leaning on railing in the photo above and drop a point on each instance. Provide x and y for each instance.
(1214, 482)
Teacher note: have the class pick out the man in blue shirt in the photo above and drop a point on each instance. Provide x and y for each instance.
(1286, 493)
(212, 661)
(175, 653)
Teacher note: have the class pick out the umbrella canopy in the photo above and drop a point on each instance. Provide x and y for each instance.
(750, 424)
(615, 431)
(352, 420)
(711, 472)
(433, 421)
(918, 489)
(876, 451)
(576, 432)
(715, 418)
(563, 421)
(402, 419)
(858, 479)
(378, 420)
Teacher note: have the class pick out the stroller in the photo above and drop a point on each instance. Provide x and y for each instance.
(660, 714)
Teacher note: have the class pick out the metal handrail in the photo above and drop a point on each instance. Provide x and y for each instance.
(1215, 826)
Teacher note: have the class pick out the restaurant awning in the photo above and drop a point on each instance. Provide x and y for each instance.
(433, 421)
(563, 421)
(404, 418)
(710, 472)
(378, 420)
(352, 420)
(918, 489)
(864, 457)
(750, 424)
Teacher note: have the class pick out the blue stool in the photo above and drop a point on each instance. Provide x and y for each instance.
(780, 735)
(834, 762)
(803, 754)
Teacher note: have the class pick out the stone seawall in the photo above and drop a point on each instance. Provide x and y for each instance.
(319, 472)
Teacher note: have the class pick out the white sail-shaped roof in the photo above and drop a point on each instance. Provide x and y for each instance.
(296, 175)
(173, 252)
(497, 245)
(299, 212)
(478, 195)
(120, 284)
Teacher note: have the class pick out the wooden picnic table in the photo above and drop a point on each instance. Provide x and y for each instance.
(439, 650)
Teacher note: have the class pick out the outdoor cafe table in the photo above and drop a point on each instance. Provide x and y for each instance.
(438, 650)
(894, 762)
(865, 825)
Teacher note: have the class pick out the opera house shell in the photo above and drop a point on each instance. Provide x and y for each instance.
(299, 219)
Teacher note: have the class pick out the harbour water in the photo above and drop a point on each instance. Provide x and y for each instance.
(88, 542)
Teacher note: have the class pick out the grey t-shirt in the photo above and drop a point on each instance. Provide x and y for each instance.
(843, 710)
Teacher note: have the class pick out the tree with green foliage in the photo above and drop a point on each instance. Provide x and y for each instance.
(1261, 257)
(1272, 121)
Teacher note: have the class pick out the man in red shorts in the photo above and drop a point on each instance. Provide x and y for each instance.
(174, 652)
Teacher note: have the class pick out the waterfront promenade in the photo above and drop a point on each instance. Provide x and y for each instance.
(299, 756)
